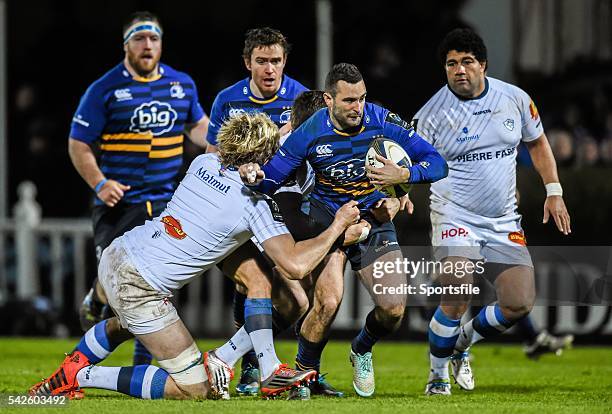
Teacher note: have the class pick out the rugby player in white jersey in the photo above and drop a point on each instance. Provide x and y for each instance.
(476, 122)
(210, 215)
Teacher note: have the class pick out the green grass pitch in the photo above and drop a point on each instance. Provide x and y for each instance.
(506, 382)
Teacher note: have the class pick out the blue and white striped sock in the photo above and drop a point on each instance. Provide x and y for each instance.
(443, 332)
(489, 322)
(95, 344)
(258, 324)
(141, 381)
(142, 356)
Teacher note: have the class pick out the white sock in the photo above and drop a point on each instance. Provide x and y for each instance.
(263, 343)
(94, 376)
(231, 351)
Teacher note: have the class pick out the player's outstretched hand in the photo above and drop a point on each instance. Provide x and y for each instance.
(347, 214)
(251, 173)
(406, 204)
(356, 232)
(385, 209)
(389, 174)
(112, 192)
(555, 206)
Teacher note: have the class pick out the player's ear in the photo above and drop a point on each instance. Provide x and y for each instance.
(247, 63)
(328, 99)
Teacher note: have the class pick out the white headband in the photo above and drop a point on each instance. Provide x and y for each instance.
(146, 26)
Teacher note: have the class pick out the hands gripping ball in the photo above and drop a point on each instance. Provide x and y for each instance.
(390, 150)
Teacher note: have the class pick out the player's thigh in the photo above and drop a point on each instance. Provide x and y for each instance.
(141, 309)
(248, 267)
(515, 288)
(386, 286)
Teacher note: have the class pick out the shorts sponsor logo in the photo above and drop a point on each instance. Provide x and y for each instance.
(123, 95)
(518, 238)
(176, 91)
(385, 244)
(509, 124)
(173, 227)
(454, 232)
(155, 116)
(324, 150)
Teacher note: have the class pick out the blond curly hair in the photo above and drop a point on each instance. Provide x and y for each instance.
(247, 137)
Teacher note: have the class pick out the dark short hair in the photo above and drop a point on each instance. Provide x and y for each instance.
(304, 105)
(263, 36)
(140, 16)
(341, 72)
(463, 40)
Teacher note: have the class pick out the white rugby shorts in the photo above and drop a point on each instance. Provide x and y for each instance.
(465, 234)
(141, 309)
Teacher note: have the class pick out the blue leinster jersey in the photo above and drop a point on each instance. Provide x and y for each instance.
(139, 125)
(239, 98)
(338, 157)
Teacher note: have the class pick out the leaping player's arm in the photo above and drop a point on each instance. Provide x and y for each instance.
(545, 164)
(428, 165)
(295, 260)
(87, 126)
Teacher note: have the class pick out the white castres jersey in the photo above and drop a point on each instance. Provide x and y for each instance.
(210, 214)
(478, 137)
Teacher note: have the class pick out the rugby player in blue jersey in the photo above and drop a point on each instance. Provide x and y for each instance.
(136, 115)
(267, 89)
(334, 141)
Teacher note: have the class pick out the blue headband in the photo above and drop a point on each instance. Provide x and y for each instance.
(141, 27)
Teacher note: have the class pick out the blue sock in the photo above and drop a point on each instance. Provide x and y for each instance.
(489, 322)
(95, 344)
(369, 334)
(140, 381)
(526, 328)
(142, 356)
(309, 354)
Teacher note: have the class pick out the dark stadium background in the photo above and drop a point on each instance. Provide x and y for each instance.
(57, 48)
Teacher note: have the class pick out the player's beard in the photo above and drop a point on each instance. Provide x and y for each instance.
(142, 69)
(343, 121)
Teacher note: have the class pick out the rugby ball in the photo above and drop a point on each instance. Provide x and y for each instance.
(390, 150)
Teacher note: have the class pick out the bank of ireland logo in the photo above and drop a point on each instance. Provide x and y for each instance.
(509, 124)
(176, 91)
(155, 116)
(285, 116)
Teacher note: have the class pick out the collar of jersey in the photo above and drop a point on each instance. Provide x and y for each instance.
(482, 95)
(264, 101)
(146, 80)
(344, 133)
